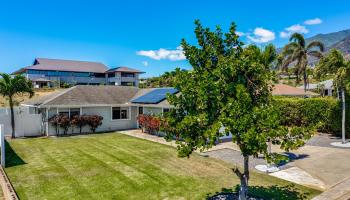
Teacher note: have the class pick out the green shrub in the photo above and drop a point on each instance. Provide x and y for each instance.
(322, 113)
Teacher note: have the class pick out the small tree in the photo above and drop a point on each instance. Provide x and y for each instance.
(9, 87)
(335, 63)
(63, 121)
(79, 121)
(230, 87)
(94, 121)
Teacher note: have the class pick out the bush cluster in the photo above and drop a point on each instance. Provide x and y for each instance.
(149, 123)
(322, 113)
(78, 121)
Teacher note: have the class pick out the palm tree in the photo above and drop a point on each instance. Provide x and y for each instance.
(297, 51)
(335, 63)
(10, 86)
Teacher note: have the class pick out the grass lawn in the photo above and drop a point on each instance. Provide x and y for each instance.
(115, 166)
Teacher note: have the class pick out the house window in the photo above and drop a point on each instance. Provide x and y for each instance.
(166, 110)
(74, 112)
(70, 112)
(127, 84)
(126, 74)
(81, 74)
(63, 111)
(61, 73)
(140, 110)
(99, 75)
(119, 113)
(33, 110)
(110, 75)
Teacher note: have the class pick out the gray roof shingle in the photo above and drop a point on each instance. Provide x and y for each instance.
(124, 69)
(94, 95)
(89, 95)
(66, 65)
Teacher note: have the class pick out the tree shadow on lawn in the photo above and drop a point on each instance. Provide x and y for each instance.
(288, 192)
(12, 159)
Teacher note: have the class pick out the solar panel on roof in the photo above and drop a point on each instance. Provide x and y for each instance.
(155, 96)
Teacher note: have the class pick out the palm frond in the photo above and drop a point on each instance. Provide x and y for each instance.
(269, 54)
(298, 38)
(315, 44)
(290, 48)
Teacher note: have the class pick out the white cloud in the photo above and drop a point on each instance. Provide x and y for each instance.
(313, 21)
(297, 28)
(145, 63)
(240, 33)
(164, 54)
(261, 35)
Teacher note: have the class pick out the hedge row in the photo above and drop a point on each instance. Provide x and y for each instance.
(323, 113)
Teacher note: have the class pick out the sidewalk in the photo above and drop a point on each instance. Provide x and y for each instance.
(340, 191)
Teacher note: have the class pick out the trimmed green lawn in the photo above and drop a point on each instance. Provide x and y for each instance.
(115, 166)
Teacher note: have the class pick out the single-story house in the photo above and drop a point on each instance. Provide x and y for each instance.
(118, 105)
(326, 87)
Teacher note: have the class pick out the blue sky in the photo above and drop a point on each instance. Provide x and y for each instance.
(146, 34)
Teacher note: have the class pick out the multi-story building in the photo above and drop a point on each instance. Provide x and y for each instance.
(56, 72)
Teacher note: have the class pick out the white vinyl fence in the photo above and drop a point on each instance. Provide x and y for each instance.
(26, 123)
(2, 145)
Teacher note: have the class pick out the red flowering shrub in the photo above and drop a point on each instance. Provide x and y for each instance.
(79, 121)
(54, 121)
(149, 123)
(63, 121)
(153, 125)
(141, 119)
(94, 121)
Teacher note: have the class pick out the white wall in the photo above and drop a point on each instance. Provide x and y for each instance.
(26, 124)
(107, 124)
(110, 125)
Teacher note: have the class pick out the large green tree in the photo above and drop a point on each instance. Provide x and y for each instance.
(9, 87)
(228, 92)
(335, 63)
(298, 51)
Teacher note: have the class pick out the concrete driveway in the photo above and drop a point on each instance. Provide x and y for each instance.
(317, 164)
(330, 165)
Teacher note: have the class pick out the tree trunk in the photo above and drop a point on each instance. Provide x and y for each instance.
(244, 177)
(13, 135)
(343, 115)
(305, 81)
